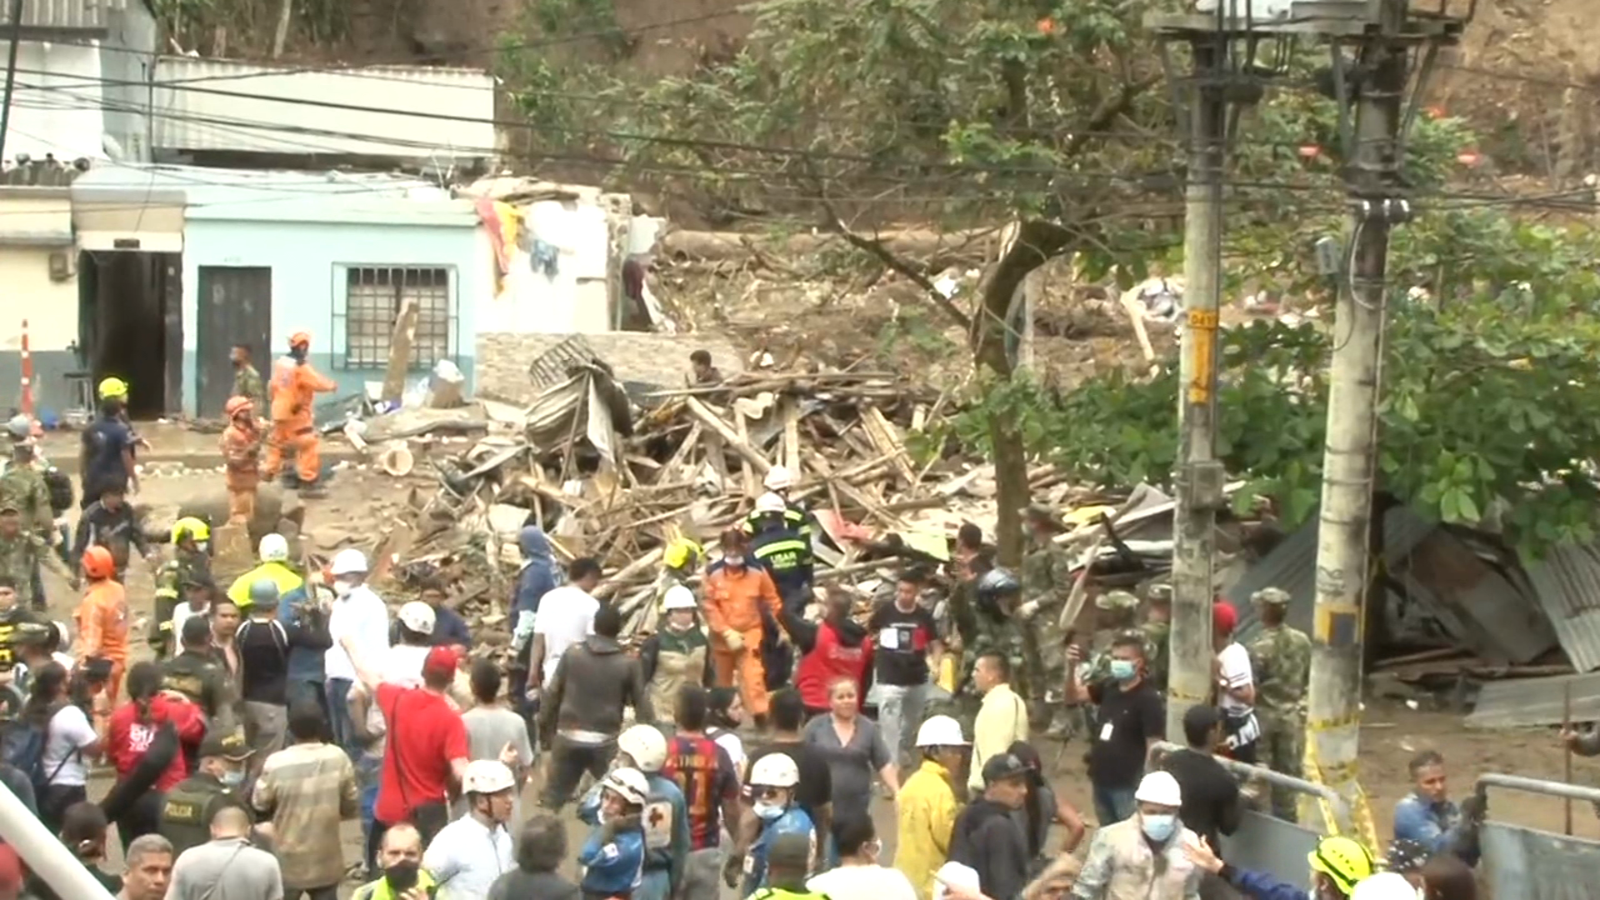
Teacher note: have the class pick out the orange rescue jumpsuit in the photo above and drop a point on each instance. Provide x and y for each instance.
(241, 452)
(733, 602)
(103, 630)
(294, 388)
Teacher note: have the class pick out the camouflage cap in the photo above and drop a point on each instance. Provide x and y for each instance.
(1044, 515)
(1116, 600)
(1275, 596)
(1159, 593)
(9, 507)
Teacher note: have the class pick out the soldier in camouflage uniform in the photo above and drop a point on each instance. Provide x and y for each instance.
(1046, 585)
(22, 551)
(1157, 630)
(247, 381)
(23, 486)
(1281, 660)
(1114, 614)
(991, 628)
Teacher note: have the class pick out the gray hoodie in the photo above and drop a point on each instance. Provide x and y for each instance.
(593, 683)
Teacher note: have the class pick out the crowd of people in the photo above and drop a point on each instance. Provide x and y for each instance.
(742, 745)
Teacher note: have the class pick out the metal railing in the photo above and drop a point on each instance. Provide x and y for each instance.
(1531, 864)
(46, 856)
(1246, 770)
(1535, 786)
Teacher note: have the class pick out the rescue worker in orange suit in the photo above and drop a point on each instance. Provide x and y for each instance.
(103, 619)
(241, 455)
(739, 597)
(294, 387)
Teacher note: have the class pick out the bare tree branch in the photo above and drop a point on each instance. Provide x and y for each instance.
(878, 251)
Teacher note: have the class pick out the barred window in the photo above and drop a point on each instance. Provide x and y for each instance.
(375, 295)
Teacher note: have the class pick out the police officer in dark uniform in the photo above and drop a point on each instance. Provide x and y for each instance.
(190, 806)
(786, 552)
(197, 675)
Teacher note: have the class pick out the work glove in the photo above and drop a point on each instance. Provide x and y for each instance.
(1026, 610)
(1474, 808)
(732, 869)
(733, 639)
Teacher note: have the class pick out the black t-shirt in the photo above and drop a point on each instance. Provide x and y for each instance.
(104, 442)
(1210, 794)
(1126, 721)
(816, 783)
(900, 644)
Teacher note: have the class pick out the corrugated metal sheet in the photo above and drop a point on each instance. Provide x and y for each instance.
(1537, 865)
(1477, 606)
(87, 15)
(1567, 585)
(1292, 566)
(221, 105)
(1526, 702)
(1265, 844)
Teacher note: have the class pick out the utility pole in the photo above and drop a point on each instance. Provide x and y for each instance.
(1200, 474)
(11, 74)
(1376, 87)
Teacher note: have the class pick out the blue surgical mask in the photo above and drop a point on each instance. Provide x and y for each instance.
(232, 778)
(1123, 669)
(766, 812)
(1158, 828)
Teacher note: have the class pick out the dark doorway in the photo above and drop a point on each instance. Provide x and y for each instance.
(130, 324)
(235, 308)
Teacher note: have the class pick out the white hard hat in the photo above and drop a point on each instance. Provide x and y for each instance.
(487, 776)
(770, 503)
(645, 745)
(349, 561)
(1159, 788)
(940, 731)
(418, 617)
(775, 770)
(1385, 886)
(630, 784)
(679, 597)
(274, 548)
(778, 479)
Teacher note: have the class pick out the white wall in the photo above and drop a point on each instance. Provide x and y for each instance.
(50, 307)
(59, 112)
(577, 299)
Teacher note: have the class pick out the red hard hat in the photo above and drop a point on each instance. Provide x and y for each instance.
(1224, 617)
(98, 564)
(300, 339)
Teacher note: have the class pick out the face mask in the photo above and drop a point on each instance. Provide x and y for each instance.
(201, 546)
(1158, 828)
(232, 778)
(768, 811)
(733, 562)
(1123, 669)
(342, 588)
(402, 876)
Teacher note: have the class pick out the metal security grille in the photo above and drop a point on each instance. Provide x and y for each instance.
(374, 297)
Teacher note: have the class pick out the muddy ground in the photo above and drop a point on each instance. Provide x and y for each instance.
(1391, 734)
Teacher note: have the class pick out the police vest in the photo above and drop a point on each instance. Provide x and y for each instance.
(186, 814)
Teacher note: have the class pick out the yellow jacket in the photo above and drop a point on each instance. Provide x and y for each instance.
(927, 815)
(287, 580)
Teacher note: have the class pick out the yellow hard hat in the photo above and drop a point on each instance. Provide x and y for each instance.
(680, 552)
(113, 387)
(191, 527)
(1343, 860)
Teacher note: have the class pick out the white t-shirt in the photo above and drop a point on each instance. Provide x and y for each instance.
(1234, 665)
(863, 883)
(566, 617)
(361, 616)
(403, 664)
(466, 858)
(734, 747)
(70, 733)
(182, 613)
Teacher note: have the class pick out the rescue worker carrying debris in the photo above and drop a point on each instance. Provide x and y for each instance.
(785, 552)
(241, 456)
(293, 390)
(1046, 585)
(190, 563)
(739, 599)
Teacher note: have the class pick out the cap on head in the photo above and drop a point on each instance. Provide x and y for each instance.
(1159, 789)
(264, 592)
(349, 561)
(1003, 767)
(273, 548)
(770, 503)
(1224, 618)
(300, 339)
(20, 427)
(778, 478)
(231, 746)
(441, 659)
(487, 776)
(418, 617)
(1039, 514)
(1116, 600)
(1271, 596)
(940, 731)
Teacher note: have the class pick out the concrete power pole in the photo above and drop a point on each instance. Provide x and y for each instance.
(1200, 474)
(1377, 92)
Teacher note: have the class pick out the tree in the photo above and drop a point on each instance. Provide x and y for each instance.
(1039, 114)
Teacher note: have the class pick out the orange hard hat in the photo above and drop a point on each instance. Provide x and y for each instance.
(300, 339)
(237, 405)
(98, 564)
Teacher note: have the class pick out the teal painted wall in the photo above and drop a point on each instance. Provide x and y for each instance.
(309, 261)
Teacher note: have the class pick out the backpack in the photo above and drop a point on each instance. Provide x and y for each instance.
(59, 484)
(23, 747)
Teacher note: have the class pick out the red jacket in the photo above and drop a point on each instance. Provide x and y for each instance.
(833, 656)
(128, 739)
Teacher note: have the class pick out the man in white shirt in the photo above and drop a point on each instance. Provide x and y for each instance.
(566, 617)
(360, 615)
(469, 854)
(1236, 687)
